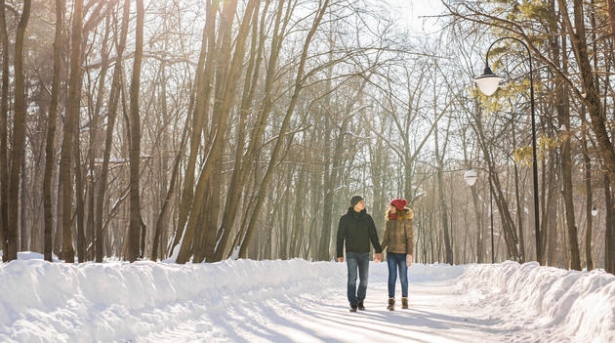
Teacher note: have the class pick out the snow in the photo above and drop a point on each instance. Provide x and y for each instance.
(298, 301)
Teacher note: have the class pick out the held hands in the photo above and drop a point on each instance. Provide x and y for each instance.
(377, 258)
(408, 260)
(340, 259)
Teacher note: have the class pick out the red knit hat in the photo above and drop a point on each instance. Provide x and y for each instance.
(399, 204)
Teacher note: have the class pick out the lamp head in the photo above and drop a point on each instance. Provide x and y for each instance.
(488, 83)
(470, 177)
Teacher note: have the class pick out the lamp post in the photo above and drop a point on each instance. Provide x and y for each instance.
(488, 83)
(470, 178)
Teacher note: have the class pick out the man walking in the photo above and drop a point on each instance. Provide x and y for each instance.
(357, 229)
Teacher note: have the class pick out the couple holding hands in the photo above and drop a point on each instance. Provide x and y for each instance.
(357, 230)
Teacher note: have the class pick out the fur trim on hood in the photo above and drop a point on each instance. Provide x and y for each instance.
(406, 214)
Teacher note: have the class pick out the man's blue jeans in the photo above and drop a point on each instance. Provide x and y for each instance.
(357, 262)
(397, 262)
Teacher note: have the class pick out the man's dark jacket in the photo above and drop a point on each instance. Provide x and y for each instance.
(357, 229)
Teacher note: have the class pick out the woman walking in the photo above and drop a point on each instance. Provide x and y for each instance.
(399, 242)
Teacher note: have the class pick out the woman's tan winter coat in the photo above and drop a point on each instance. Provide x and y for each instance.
(399, 233)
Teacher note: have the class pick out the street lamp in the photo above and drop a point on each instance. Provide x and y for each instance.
(488, 83)
(470, 178)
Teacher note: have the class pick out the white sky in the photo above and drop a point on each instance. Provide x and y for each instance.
(414, 14)
(298, 301)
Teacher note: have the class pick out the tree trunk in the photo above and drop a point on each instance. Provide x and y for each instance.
(203, 88)
(79, 194)
(299, 223)
(442, 204)
(518, 197)
(51, 129)
(609, 244)
(562, 105)
(4, 109)
(72, 112)
(611, 11)
(95, 143)
(566, 165)
(114, 95)
(134, 234)
(550, 234)
(480, 237)
(19, 136)
(587, 163)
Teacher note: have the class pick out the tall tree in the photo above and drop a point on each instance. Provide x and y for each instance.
(4, 113)
(58, 48)
(202, 92)
(72, 114)
(563, 109)
(440, 152)
(576, 30)
(136, 223)
(114, 95)
(19, 125)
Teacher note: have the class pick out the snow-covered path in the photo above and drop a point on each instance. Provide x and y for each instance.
(438, 313)
(322, 316)
(299, 301)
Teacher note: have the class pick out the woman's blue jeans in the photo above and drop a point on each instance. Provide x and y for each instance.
(397, 262)
(357, 262)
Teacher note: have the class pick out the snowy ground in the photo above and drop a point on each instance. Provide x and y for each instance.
(298, 301)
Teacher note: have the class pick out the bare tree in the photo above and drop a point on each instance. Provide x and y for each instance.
(114, 95)
(591, 99)
(202, 92)
(17, 149)
(320, 12)
(51, 129)
(230, 83)
(4, 113)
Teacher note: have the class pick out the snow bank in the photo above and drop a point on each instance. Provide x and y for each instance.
(103, 302)
(147, 301)
(574, 306)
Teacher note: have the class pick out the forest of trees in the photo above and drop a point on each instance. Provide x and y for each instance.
(207, 130)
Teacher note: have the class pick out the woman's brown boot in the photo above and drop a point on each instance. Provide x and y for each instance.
(404, 303)
(391, 306)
